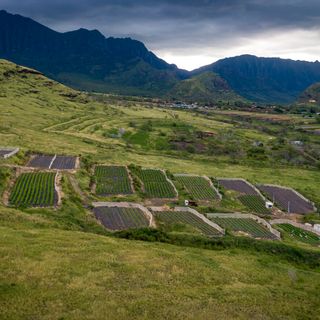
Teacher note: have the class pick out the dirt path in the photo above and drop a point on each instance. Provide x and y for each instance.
(77, 188)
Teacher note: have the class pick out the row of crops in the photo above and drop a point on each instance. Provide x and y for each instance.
(197, 187)
(300, 235)
(112, 180)
(245, 225)
(155, 183)
(186, 218)
(34, 190)
(117, 218)
(254, 203)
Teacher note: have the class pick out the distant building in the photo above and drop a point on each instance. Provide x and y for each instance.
(297, 143)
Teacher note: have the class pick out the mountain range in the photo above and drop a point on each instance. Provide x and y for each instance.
(89, 61)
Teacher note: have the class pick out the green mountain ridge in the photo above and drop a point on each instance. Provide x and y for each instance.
(206, 87)
(87, 60)
(311, 95)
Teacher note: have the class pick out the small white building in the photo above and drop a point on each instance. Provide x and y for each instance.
(269, 205)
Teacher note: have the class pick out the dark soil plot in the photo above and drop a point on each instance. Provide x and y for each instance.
(187, 218)
(112, 180)
(115, 218)
(34, 190)
(300, 234)
(287, 200)
(246, 225)
(5, 152)
(64, 163)
(239, 186)
(40, 162)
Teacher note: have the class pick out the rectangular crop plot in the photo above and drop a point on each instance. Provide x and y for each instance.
(187, 218)
(8, 152)
(53, 162)
(255, 203)
(40, 162)
(34, 190)
(238, 185)
(198, 187)
(156, 184)
(112, 180)
(246, 225)
(287, 200)
(116, 218)
(64, 163)
(300, 234)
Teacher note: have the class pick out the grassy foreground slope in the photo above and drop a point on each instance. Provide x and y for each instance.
(56, 274)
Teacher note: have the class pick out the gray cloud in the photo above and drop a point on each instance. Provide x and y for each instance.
(185, 27)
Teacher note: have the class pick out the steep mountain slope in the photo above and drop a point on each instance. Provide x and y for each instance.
(311, 95)
(85, 59)
(207, 87)
(266, 79)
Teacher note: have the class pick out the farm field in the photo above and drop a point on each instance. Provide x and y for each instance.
(187, 218)
(34, 190)
(245, 225)
(53, 162)
(116, 218)
(155, 183)
(198, 187)
(300, 234)
(287, 200)
(255, 203)
(64, 163)
(40, 161)
(238, 185)
(112, 180)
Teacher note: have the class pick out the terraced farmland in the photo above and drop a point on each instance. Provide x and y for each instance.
(187, 218)
(34, 190)
(40, 161)
(238, 185)
(255, 203)
(245, 225)
(198, 187)
(112, 180)
(53, 162)
(300, 234)
(116, 218)
(64, 163)
(287, 200)
(155, 184)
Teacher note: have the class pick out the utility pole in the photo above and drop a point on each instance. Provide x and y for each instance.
(288, 206)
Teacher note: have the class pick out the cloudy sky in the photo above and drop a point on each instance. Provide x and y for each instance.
(191, 33)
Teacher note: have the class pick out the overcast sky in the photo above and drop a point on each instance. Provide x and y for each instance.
(191, 33)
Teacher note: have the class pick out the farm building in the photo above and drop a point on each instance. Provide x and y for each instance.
(6, 153)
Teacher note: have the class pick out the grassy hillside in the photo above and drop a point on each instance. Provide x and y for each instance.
(41, 115)
(311, 95)
(61, 264)
(50, 274)
(207, 87)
